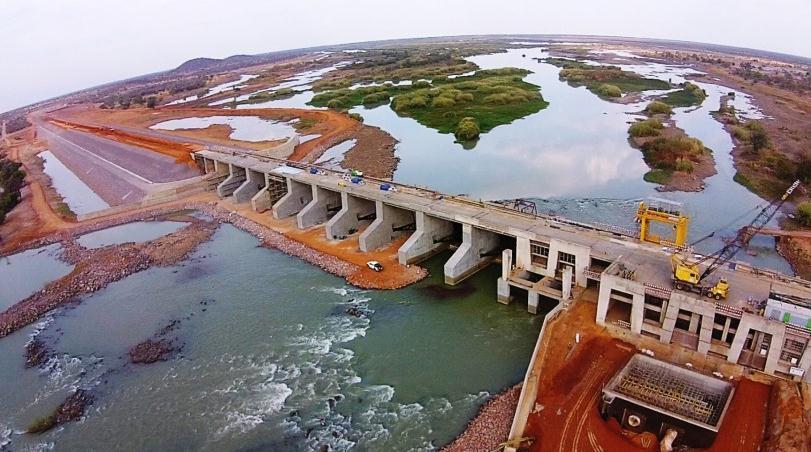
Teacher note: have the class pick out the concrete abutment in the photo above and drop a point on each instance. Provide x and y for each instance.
(325, 203)
(475, 252)
(354, 213)
(235, 178)
(390, 222)
(298, 196)
(430, 237)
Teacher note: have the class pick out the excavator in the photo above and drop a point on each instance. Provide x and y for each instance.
(687, 274)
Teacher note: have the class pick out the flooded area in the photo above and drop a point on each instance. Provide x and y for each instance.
(332, 157)
(139, 231)
(80, 198)
(24, 273)
(271, 359)
(229, 85)
(245, 128)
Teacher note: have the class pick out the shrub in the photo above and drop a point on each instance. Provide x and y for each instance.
(356, 117)
(421, 84)
(335, 104)
(375, 98)
(804, 213)
(468, 129)
(607, 90)
(759, 138)
(658, 108)
(646, 128)
(685, 166)
(741, 133)
(443, 102)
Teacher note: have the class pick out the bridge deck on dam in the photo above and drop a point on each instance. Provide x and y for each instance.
(651, 263)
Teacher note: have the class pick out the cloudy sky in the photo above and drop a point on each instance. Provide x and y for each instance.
(51, 47)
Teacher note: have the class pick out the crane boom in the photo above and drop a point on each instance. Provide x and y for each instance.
(745, 234)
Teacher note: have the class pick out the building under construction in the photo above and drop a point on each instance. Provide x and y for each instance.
(655, 396)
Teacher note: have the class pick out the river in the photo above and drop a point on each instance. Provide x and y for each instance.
(271, 360)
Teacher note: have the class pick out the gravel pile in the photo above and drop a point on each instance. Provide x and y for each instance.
(491, 427)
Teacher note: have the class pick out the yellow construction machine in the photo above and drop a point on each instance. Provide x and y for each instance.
(687, 273)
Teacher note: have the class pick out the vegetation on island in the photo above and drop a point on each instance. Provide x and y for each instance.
(12, 179)
(667, 150)
(604, 81)
(689, 95)
(265, 96)
(488, 98)
(762, 168)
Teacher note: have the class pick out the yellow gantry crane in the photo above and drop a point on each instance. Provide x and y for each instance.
(662, 211)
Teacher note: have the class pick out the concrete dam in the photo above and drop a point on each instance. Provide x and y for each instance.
(550, 260)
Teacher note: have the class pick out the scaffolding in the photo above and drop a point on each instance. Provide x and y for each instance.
(673, 390)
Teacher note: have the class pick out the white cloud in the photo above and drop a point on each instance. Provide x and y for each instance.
(53, 47)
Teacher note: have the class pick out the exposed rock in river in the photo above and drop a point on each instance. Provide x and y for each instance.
(71, 409)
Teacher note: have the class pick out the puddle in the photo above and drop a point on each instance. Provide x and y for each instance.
(245, 128)
(332, 157)
(141, 231)
(27, 272)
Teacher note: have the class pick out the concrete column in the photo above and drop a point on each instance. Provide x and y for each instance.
(637, 313)
(740, 337)
(604, 299)
(705, 334)
(805, 363)
(348, 218)
(232, 182)
(208, 165)
(320, 208)
(725, 331)
(533, 299)
(298, 195)
(523, 257)
(254, 182)
(503, 291)
(382, 231)
(778, 337)
(566, 293)
(468, 257)
(671, 314)
(424, 241)
(260, 202)
(694, 318)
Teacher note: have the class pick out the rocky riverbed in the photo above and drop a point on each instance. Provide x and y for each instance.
(491, 427)
(99, 267)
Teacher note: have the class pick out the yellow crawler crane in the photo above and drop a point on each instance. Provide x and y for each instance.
(687, 274)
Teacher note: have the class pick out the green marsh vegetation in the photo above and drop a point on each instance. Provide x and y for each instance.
(689, 95)
(489, 97)
(604, 81)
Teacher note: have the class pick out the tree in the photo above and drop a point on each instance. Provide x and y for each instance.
(151, 102)
(804, 213)
(468, 129)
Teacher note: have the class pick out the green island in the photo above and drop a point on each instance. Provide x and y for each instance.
(265, 96)
(608, 82)
(486, 99)
(676, 160)
(689, 95)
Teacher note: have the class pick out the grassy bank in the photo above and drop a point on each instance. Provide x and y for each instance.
(489, 98)
(11, 182)
(605, 81)
(689, 95)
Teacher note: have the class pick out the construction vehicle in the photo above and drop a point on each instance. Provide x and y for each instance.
(687, 274)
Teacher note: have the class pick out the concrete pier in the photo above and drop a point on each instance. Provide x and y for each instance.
(325, 203)
(254, 182)
(389, 223)
(430, 237)
(297, 197)
(235, 178)
(471, 255)
(354, 213)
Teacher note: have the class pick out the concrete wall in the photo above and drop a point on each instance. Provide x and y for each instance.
(254, 182)
(468, 257)
(382, 231)
(324, 205)
(423, 242)
(298, 195)
(232, 182)
(348, 218)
